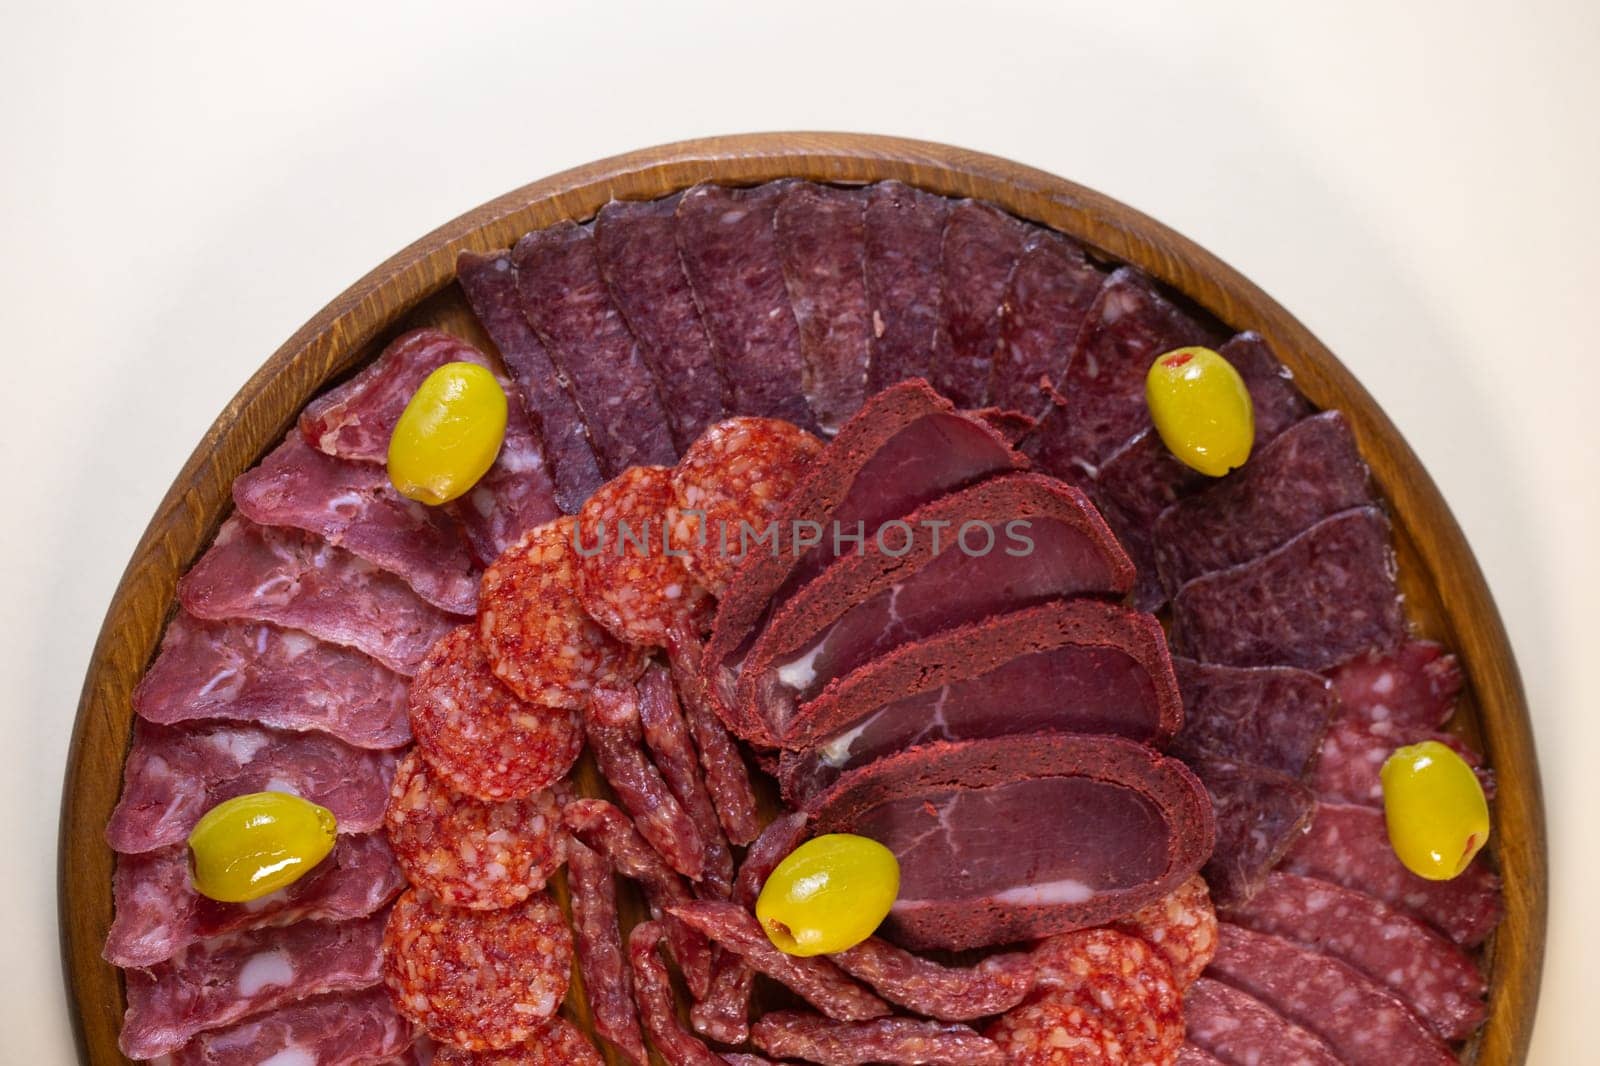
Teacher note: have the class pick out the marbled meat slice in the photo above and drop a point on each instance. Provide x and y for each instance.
(672, 751)
(985, 860)
(1182, 926)
(653, 986)
(904, 230)
(637, 244)
(1240, 1028)
(280, 678)
(342, 1029)
(822, 241)
(158, 912)
(1363, 1023)
(1260, 814)
(597, 935)
(798, 1035)
(557, 1042)
(1349, 845)
(1319, 599)
(289, 578)
(1123, 977)
(1413, 687)
(175, 774)
(728, 243)
(1051, 291)
(1269, 716)
(978, 253)
(219, 982)
(1057, 1031)
(949, 993)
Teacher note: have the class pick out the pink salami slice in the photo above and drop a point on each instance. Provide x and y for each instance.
(1413, 687)
(672, 750)
(794, 1034)
(1268, 716)
(1051, 291)
(904, 230)
(1240, 1028)
(516, 494)
(1260, 814)
(978, 253)
(345, 1029)
(949, 993)
(597, 933)
(653, 986)
(1354, 751)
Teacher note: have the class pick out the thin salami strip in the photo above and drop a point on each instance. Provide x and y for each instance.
(555, 1043)
(672, 751)
(1053, 1031)
(978, 254)
(598, 937)
(727, 778)
(346, 1028)
(1260, 814)
(1183, 927)
(792, 1034)
(476, 979)
(1227, 1022)
(904, 228)
(653, 987)
(1269, 716)
(949, 993)
(1124, 978)
(1051, 291)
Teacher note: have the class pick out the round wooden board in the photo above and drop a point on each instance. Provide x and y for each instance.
(1445, 592)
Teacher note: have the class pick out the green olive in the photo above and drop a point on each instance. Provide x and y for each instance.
(829, 894)
(1435, 809)
(1201, 408)
(251, 846)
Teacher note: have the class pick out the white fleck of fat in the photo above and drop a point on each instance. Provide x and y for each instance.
(836, 752)
(266, 969)
(292, 1055)
(239, 745)
(1046, 894)
(278, 784)
(797, 674)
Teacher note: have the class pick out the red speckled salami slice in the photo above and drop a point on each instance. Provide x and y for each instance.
(1268, 716)
(793, 1034)
(476, 979)
(279, 678)
(637, 244)
(653, 986)
(342, 1029)
(978, 254)
(1322, 597)
(555, 1043)
(904, 231)
(1183, 927)
(175, 774)
(1363, 1023)
(1056, 1032)
(1240, 1028)
(565, 301)
(1413, 687)
(1050, 293)
(1349, 845)
(821, 233)
(727, 241)
(538, 638)
(1436, 979)
(1260, 814)
(1126, 980)
(598, 936)
(949, 993)
(667, 736)
(726, 777)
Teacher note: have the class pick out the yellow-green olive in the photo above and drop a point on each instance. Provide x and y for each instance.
(253, 845)
(1434, 805)
(449, 434)
(829, 894)
(1201, 408)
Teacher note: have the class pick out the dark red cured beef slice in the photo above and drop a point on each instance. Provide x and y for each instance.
(1436, 979)
(1349, 845)
(978, 253)
(355, 419)
(333, 1030)
(728, 243)
(949, 993)
(565, 300)
(1321, 598)
(490, 284)
(1007, 543)
(261, 574)
(1014, 426)
(1363, 1023)
(637, 245)
(672, 750)
(1240, 1028)
(1260, 814)
(1414, 687)
(822, 248)
(174, 774)
(280, 678)
(158, 912)
(905, 227)
(1004, 867)
(1078, 666)
(1269, 716)
(727, 778)
(354, 506)
(1310, 471)
(653, 986)
(1051, 291)
(222, 981)
(793, 1034)
(597, 936)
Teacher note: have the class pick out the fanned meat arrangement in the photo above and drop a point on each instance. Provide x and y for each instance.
(851, 496)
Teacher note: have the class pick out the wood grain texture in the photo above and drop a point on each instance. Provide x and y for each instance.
(1446, 595)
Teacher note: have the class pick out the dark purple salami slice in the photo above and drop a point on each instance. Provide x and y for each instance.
(607, 983)
(653, 987)
(949, 993)
(1260, 814)
(490, 284)
(1413, 687)
(637, 244)
(1435, 978)
(978, 254)
(904, 229)
(1051, 291)
(557, 1042)
(350, 1029)
(1273, 393)
(797, 1035)
(1132, 488)
(672, 750)
(1321, 598)
(1363, 1023)
(1240, 1028)
(1269, 716)
(279, 678)
(728, 244)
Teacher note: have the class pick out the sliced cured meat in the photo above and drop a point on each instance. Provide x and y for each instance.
(1126, 980)
(1007, 543)
(354, 506)
(220, 981)
(539, 641)
(1274, 396)
(333, 1030)
(466, 852)
(1001, 866)
(949, 993)
(597, 934)
(822, 242)
(515, 495)
(1269, 716)
(637, 244)
(564, 298)
(794, 1034)
(476, 979)
(1014, 426)
(1349, 845)
(1260, 814)
(280, 678)
(1054, 1031)
(158, 912)
(262, 574)
(555, 1043)
(631, 576)
(490, 284)
(726, 776)
(1132, 488)
(1354, 751)
(174, 774)
(1324, 596)
(904, 230)
(672, 751)
(1182, 926)
(676, 1044)
(1310, 471)
(727, 241)
(1436, 979)
(1076, 666)
(1413, 687)
(1051, 291)
(1190, 1055)
(978, 253)
(1240, 1028)
(1364, 1024)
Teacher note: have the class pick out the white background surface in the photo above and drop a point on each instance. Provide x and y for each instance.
(182, 189)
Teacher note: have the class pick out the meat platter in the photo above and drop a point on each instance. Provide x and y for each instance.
(801, 662)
